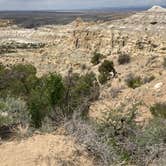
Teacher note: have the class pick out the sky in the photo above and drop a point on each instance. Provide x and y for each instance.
(73, 4)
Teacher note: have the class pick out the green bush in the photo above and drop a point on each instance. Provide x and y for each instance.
(123, 59)
(41, 94)
(84, 84)
(48, 93)
(103, 78)
(13, 111)
(96, 58)
(55, 98)
(154, 133)
(55, 88)
(105, 70)
(50, 96)
(107, 67)
(117, 129)
(79, 91)
(18, 80)
(129, 141)
(2, 67)
(159, 110)
(133, 81)
(39, 107)
(24, 69)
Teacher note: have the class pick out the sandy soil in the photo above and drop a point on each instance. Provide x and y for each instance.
(44, 150)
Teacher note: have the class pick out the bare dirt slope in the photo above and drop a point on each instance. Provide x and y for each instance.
(44, 150)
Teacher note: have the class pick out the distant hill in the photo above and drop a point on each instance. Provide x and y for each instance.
(122, 9)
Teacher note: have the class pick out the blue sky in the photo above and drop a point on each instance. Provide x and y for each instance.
(73, 4)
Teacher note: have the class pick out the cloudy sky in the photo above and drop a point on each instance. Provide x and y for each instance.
(73, 4)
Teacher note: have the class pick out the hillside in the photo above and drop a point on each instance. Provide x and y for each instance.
(57, 48)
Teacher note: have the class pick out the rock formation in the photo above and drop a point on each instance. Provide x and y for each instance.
(157, 9)
(141, 35)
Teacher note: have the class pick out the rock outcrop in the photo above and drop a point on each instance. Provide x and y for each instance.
(157, 9)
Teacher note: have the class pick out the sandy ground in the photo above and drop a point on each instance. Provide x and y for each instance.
(43, 150)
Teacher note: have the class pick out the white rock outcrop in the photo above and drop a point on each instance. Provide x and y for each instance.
(157, 9)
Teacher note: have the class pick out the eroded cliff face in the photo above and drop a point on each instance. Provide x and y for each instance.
(142, 30)
(142, 36)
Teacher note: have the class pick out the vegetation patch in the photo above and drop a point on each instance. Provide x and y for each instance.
(133, 81)
(96, 59)
(12, 46)
(124, 59)
(148, 79)
(105, 69)
(131, 143)
(49, 96)
(159, 110)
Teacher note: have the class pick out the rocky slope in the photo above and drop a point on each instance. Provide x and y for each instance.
(72, 44)
(141, 35)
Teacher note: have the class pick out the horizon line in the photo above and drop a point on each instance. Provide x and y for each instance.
(84, 9)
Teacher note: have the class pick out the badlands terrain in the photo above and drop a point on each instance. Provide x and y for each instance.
(59, 47)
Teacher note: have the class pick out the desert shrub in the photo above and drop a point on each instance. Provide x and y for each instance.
(3, 80)
(13, 111)
(57, 99)
(103, 78)
(2, 67)
(55, 88)
(39, 93)
(105, 70)
(85, 133)
(148, 79)
(50, 96)
(117, 129)
(79, 92)
(18, 80)
(164, 62)
(159, 110)
(39, 107)
(107, 67)
(133, 81)
(96, 58)
(131, 143)
(24, 69)
(44, 97)
(153, 133)
(123, 58)
(23, 79)
(151, 142)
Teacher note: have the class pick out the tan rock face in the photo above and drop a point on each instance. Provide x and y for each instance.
(5, 23)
